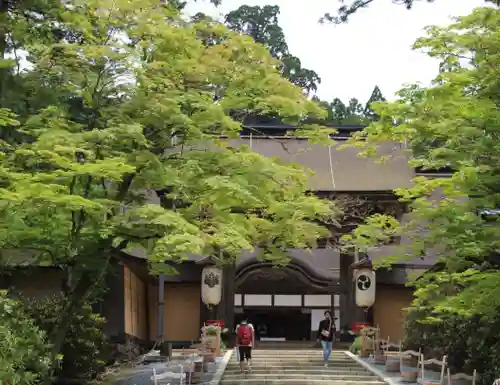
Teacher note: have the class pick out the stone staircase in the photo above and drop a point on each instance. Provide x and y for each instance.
(298, 367)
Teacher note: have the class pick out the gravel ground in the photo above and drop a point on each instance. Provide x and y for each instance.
(141, 375)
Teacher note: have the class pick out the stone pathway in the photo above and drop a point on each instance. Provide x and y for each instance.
(141, 375)
(299, 367)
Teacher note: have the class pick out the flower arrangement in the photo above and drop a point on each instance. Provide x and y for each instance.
(211, 330)
(211, 337)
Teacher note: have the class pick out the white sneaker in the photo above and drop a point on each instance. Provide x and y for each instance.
(325, 365)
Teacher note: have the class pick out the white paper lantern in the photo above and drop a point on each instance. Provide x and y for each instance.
(364, 284)
(211, 285)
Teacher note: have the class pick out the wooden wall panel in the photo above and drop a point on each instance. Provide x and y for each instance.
(135, 305)
(389, 310)
(127, 294)
(181, 313)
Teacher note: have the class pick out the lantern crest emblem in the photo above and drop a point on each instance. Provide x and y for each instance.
(363, 282)
(211, 280)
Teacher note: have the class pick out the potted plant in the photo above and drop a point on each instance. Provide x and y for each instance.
(210, 333)
(211, 336)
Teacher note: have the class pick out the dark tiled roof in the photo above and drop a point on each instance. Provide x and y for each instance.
(350, 171)
(323, 263)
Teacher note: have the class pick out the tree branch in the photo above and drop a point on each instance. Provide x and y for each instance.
(345, 11)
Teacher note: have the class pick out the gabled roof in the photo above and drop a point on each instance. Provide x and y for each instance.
(339, 170)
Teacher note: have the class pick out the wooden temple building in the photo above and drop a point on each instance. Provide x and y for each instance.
(283, 303)
(288, 303)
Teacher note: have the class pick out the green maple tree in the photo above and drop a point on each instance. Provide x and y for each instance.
(137, 105)
(458, 120)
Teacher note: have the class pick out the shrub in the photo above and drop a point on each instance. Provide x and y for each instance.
(357, 344)
(25, 356)
(85, 344)
(469, 343)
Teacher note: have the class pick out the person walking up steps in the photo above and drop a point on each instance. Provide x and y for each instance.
(326, 334)
(245, 340)
(236, 333)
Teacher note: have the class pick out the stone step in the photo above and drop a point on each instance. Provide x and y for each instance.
(312, 349)
(259, 381)
(287, 366)
(296, 363)
(297, 346)
(316, 362)
(301, 369)
(294, 352)
(311, 370)
(304, 367)
(281, 351)
(291, 376)
(299, 357)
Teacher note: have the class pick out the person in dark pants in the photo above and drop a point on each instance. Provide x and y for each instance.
(326, 334)
(245, 340)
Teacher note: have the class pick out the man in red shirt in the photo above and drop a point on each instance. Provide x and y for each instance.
(245, 340)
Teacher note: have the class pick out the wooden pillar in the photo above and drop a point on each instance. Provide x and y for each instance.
(352, 312)
(347, 287)
(204, 313)
(225, 310)
(343, 310)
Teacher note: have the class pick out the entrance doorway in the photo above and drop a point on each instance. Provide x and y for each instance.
(278, 323)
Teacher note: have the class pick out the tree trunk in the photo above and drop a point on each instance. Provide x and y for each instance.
(4, 16)
(75, 299)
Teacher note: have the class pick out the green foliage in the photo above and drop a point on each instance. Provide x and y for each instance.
(453, 124)
(24, 352)
(84, 181)
(476, 348)
(353, 112)
(84, 349)
(458, 113)
(130, 102)
(357, 344)
(376, 96)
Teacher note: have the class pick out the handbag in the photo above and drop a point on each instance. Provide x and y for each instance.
(326, 333)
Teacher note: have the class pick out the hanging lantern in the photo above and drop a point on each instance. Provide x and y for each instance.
(211, 285)
(364, 283)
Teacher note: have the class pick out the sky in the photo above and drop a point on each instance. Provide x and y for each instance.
(374, 48)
